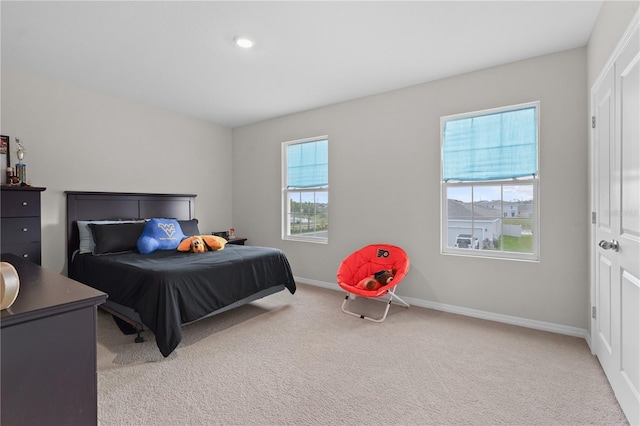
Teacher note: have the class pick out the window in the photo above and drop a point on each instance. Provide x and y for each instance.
(305, 189)
(490, 183)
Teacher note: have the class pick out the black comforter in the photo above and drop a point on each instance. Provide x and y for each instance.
(170, 288)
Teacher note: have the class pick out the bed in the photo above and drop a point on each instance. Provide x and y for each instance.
(166, 289)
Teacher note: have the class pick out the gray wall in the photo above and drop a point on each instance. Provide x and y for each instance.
(81, 140)
(384, 154)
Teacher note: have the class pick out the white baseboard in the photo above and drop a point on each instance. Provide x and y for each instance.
(491, 316)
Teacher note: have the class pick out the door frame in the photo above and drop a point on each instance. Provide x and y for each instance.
(633, 25)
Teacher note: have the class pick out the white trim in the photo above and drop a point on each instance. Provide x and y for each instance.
(303, 140)
(323, 284)
(489, 111)
(474, 313)
(302, 239)
(592, 226)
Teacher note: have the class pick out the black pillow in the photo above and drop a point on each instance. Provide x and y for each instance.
(116, 237)
(189, 227)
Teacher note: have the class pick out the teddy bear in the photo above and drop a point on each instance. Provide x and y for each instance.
(377, 280)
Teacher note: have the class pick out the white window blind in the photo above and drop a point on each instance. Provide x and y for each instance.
(308, 164)
(499, 145)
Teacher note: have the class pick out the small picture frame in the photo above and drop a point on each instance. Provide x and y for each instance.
(5, 157)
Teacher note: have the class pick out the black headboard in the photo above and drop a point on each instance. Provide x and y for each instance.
(122, 205)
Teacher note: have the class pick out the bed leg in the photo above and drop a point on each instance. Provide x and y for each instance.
(126, 325)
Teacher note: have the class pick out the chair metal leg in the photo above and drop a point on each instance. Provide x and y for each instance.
(392, 296)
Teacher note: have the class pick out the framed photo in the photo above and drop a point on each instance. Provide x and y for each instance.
(5, 157)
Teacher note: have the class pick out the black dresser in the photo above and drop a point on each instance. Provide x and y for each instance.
(20, 224)
(48, 353)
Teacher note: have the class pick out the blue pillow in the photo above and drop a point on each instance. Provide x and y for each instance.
(160, 234)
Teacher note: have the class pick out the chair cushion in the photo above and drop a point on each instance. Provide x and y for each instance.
(369, 260)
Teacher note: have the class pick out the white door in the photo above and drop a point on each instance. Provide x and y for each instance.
(616, 333)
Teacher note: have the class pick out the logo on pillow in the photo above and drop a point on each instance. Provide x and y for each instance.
(160, 234)
(168, 228)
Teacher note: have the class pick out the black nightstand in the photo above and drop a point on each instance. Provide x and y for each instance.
(237, 241)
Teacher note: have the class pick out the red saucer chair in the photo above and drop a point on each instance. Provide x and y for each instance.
(366, 262)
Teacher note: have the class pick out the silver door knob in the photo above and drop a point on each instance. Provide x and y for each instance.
(609, 245)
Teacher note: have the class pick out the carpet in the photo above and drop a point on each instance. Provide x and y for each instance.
(298, 360)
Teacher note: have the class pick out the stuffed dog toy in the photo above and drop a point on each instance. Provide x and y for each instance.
(202, 243)
(377, 280)
(198, 245)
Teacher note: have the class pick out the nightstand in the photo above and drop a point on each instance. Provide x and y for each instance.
(237, 241)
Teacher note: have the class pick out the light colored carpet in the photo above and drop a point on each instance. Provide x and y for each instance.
(298, 360)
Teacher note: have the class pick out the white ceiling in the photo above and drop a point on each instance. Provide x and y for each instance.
(179, 55)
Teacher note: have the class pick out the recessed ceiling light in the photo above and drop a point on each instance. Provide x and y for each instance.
(244, 42)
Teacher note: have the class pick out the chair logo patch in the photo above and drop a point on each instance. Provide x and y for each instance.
(382, 253)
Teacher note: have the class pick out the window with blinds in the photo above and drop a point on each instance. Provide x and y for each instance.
(490, 182)
(305, 189)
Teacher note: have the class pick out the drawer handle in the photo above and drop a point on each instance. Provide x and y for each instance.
(25, 255)
(24, 203)
(25, 229)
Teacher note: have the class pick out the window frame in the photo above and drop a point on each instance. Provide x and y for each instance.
(285, 191)
(445, 249)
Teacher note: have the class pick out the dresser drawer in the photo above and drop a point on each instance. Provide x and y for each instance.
(18, 230)
(29, 251)
(20, 203)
